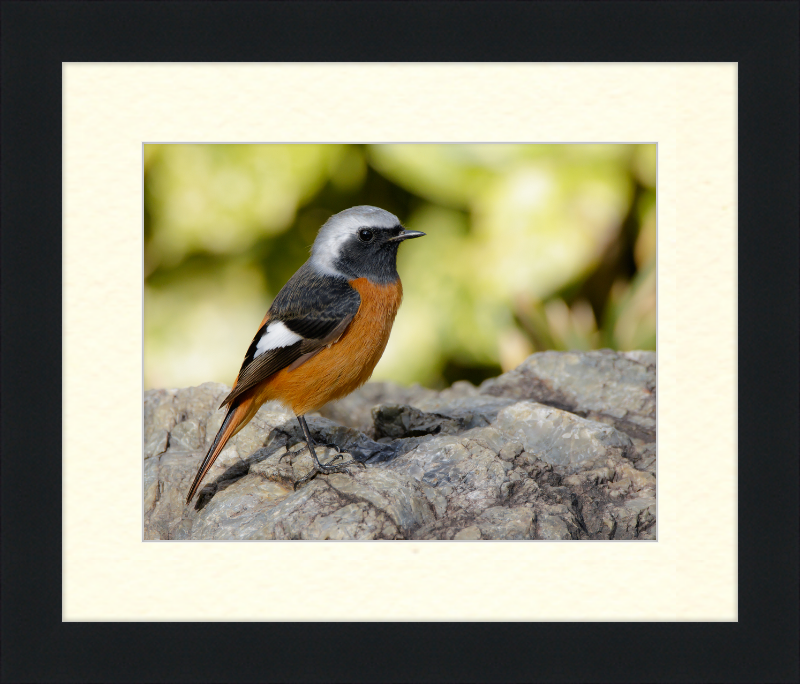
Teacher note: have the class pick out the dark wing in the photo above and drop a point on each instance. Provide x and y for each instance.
(315, 309)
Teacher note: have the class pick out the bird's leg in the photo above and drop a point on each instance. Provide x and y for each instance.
(319, 467)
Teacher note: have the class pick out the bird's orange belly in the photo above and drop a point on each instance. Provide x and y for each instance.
(345, 365)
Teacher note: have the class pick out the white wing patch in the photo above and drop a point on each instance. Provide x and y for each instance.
(276, 335)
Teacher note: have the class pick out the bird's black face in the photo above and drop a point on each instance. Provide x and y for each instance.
(371, 252)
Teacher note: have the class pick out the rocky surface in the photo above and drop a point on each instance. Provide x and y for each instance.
(562, 447)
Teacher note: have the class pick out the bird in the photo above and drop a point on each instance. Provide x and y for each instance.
(324, 332)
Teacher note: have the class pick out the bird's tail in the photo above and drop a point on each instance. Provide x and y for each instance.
(235, 419)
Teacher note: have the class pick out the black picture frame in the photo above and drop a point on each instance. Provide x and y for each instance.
(761, 36)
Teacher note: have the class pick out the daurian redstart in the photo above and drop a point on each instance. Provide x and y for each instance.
(325, 331)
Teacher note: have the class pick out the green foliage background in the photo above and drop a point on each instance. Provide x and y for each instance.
(528, 247)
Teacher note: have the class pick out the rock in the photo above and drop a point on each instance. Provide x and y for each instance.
(559, 437)
(563, 447)
(510, 450)
(471, 532)
(397, 421)
(500, 522)
(617, 388)
(444, 416)
(355, 410)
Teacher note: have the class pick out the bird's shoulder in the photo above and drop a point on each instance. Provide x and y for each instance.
(311, 292)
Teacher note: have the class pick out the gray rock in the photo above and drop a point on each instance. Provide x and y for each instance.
(469, 533)
(618, 388)
(562, 447)
(559, 437)
(451, 416)
(510, 450)
(500, 522)
(355, 410)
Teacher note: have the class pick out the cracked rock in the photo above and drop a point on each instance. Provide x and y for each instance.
(562, 447)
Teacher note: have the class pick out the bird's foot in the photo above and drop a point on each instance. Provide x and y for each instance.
(329, 468)
(302, 446)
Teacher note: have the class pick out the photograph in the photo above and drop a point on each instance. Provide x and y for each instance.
(399, 341)
(514, 283)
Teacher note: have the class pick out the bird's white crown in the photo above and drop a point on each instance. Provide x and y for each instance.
(339, 227)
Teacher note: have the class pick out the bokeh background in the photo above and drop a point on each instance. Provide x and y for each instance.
(528, 247)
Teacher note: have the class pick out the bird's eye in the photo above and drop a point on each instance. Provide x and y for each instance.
(365, 235)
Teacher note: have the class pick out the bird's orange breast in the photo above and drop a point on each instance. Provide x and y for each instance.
(346, 364)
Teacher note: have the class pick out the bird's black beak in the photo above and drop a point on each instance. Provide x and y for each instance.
(406, 235)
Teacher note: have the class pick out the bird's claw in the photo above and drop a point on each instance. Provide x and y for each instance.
(335, 458)
(328, 469)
